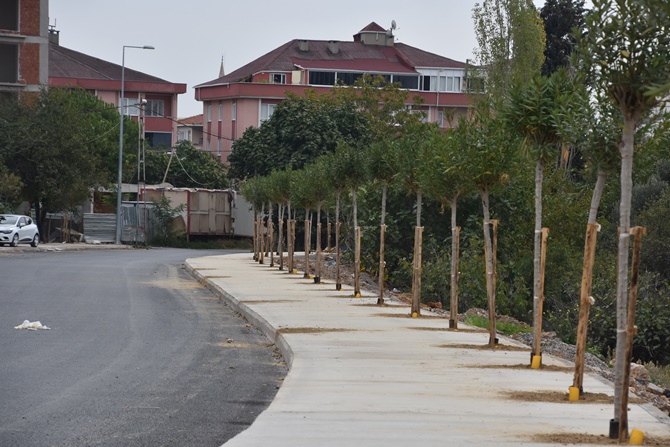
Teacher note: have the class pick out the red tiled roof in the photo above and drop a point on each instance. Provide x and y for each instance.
(195, 119)
(372, 27)
(66, 63)
(351, 55)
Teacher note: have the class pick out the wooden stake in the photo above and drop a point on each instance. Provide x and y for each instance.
(271, 237)
(585, 305)
(261, 228)
(307, 248)
(255, 240)
(637, 233)
(328, 246)
(453, 306)
(338, 280)
(280, 244)
(489, 288)
(292, 253)
(357, 264)
(317, 276)
(543, 258)
(416, 277)
(380, 299)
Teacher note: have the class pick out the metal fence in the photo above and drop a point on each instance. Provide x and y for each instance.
(137, 219)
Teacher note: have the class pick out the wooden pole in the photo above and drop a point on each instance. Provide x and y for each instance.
(255, 240)
(416, 275)
(280, 243)
(543, 258)
(317, 276)
(292, 252)
(307, 247)
(261, 228)
(357, 264)
(637, 233)
(382, 264)
(489, 288)
(453, 306)
(271, 236)
(494, 255)
(338, 280)
(328, 230)
(584, 305)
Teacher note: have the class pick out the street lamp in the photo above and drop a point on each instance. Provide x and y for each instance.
(119, 223)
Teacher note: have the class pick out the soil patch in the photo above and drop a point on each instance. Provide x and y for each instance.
(446, 329)
(407, 315)
(271, 301)
(377, 305)
(554, 368)
(501, 348)
(558, 397)
(583, 438)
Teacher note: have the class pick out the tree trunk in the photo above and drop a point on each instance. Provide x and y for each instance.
(382, 233)
(622, 269)
(338, 281)
(255, 234)
(416, 277)
(587, 280)
(537, 308)
(317, 275)
(328, 232)
(307, 244)
(271, 236)
(261, 233)
(357, 262)
(488, 249)
(455, 234)
(280, 242)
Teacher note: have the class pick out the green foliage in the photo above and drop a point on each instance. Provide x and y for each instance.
(561, 18)
(60, 144)
(300, 130)
(164, 215)
(511, 43)
(10, 190)
(189, 168)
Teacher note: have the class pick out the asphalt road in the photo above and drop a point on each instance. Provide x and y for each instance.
(139, 354)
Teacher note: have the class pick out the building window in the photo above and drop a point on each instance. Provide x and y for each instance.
(348, 78)
(209, 113)
(220, 112)
(158, 139)
(321, 78)
(9, 63)
(407, 82)
(453, 84)
(184, 135)
(440, 118)
(266, 111)
(278, 78)
(234, 111)
(131, 106)
(218, 146)
(9, 15)
(154, 107)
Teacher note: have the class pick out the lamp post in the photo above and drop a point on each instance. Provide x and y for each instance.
(119, 224)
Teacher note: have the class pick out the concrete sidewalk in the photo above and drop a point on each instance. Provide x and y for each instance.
(361, 375)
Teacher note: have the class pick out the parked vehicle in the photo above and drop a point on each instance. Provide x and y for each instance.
(15, 230)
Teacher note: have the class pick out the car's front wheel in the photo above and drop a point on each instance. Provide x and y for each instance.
(36, 241)
(15, 241)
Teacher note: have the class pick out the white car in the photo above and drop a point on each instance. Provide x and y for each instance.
(15, 230)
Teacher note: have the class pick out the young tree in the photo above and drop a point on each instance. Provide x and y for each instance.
(280, 192)
(381, 164)
(444, 179)
(349, 166)
(533, 112)
(414, 148)
(490, 155)
(625, 51)
(338, 184)
(317, 183)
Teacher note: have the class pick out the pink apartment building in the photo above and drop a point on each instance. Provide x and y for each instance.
(247, 96)
(103, 79)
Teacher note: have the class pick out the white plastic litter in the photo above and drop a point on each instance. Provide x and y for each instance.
(31, 326)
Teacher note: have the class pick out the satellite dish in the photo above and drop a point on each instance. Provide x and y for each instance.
(393, 24)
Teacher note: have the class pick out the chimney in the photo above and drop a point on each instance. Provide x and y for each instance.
(54, 35)
(303, 46)
(334, 46)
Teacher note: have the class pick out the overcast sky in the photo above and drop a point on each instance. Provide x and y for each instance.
(191, 37)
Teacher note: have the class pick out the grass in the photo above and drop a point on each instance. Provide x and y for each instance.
(504, 327)
(660, 374)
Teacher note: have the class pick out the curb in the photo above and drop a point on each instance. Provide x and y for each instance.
(252, 316)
